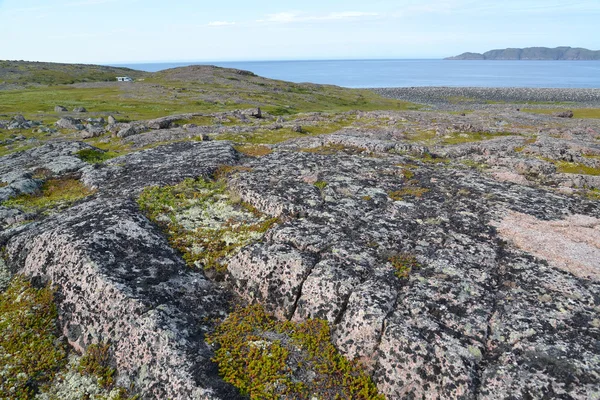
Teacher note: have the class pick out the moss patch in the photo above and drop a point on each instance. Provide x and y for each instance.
(413, 191)
(576, 168)
(335, 148)
(30, 351)
(320, 185)
(54, 194)
(203, 222)
(254, 150)
(269, 359)
(403, 264)
(94, 156)
(96, 362)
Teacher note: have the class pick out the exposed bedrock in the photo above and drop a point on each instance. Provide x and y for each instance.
(119, 281)
(480, 318)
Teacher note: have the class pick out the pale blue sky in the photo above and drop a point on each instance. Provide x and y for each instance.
(113, 31)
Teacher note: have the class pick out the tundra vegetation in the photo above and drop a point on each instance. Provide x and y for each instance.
(393, 154)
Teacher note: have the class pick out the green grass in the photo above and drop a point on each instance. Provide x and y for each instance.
(254, 150)
(335, 148)
(44, 73)
(263, 368)
(577, 112)
(160, 95)
(31, 352)
(54, 194)
(431, 138)
(94, 156)
(576, 168)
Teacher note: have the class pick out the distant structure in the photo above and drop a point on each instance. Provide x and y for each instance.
(124, 79)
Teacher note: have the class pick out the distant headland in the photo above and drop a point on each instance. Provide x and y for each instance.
(533, 53)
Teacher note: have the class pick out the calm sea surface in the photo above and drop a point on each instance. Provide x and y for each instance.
(406, 73)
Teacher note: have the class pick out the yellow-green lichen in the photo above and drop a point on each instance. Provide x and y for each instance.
(269, 359)
(201, 220)
(30, 350)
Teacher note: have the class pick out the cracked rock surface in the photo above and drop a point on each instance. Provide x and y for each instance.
(479, 319)
(503, 304)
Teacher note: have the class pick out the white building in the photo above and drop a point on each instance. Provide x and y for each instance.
(124, 79)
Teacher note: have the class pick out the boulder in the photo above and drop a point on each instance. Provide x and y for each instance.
(92, 131)
(564, 114)
(60, 109)
(79, 109)
(70, 123)
(111, 120)
(126, 131)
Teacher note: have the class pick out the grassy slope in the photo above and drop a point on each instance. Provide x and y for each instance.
(43, 73)
(190, 89)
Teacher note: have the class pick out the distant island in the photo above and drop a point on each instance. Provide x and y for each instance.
(532, 53)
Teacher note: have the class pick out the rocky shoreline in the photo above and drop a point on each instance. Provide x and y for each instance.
(482, 97)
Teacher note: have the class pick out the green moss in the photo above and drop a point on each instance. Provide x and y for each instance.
(54, 194)
(431, 138)
(94, 156)
(403, 264)
(96, 362)
(576, 168)
(30, 351)
(412, 191)
(335, 148)
(202, 220)
(254, 150)
(320, 185)
(265, 359)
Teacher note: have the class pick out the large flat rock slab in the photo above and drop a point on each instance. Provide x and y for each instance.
(118, 281)
(163, 165)
(480, 318)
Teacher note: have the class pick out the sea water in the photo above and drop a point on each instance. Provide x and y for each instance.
(409, 73)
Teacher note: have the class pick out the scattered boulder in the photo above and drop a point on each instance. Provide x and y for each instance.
(96, 121)
(564, 114)
(297, 129)
(92, 131)
(111, 120)
(60, 109)
(79, 109)
(127, 131)
(70, 123)
(20, 122)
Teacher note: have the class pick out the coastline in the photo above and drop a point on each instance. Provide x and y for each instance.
(452, 97)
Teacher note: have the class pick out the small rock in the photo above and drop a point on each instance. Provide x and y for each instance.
(79, 110)
(111, 120)
(60, 109)
(564, 114)
(297, 129)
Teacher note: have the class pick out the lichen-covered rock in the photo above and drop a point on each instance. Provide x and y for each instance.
(164, 165)
(119, 281)
(454, 325)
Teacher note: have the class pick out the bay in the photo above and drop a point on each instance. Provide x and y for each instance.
(414, 73)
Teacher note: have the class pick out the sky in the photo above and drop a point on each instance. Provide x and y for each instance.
(137, 31)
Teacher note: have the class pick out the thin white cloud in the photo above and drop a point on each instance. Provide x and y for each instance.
(220, 23)
(293, 17)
